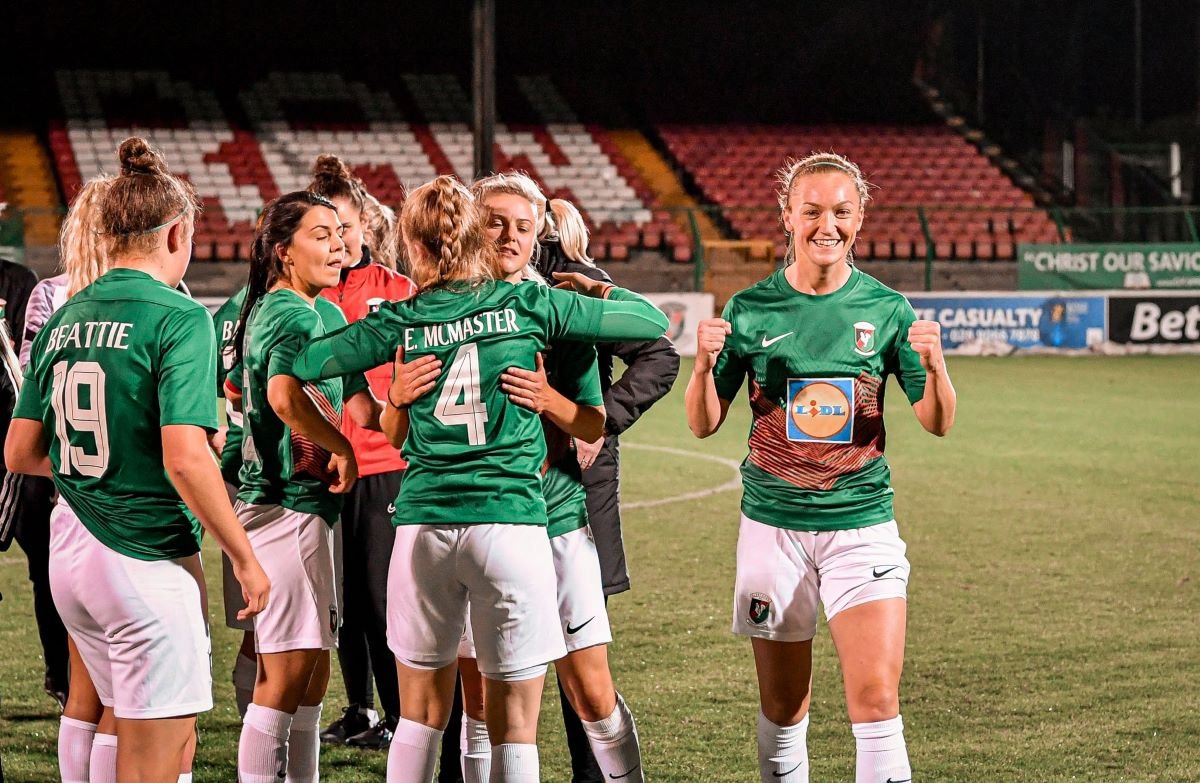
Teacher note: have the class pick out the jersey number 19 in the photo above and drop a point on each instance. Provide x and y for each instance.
(66, 390)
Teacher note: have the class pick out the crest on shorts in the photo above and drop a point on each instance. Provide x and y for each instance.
(760, 608)
(864, 338)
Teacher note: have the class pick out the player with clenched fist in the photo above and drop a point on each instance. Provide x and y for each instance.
(817, 340)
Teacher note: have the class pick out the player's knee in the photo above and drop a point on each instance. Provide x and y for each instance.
(785, 706)
(592, 701)
(874, 702)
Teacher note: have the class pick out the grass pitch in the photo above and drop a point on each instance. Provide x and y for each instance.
(1055, 544)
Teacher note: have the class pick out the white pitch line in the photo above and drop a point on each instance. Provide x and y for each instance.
(732, 484)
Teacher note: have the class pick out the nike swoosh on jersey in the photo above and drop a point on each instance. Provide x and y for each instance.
(878, 572)
(391, 508)
(571, 631)
(768, 343)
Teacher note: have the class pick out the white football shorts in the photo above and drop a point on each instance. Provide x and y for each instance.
(505, 572)
(783, 574)
(139, 624)
(296, 551)
(581, 610)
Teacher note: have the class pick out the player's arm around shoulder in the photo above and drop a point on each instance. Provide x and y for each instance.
(936, 408)
(706, 410)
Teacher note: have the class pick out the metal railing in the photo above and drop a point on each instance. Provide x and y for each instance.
(914, 233)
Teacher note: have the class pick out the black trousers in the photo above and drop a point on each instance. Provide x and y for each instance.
(367, 538)
(32, 532)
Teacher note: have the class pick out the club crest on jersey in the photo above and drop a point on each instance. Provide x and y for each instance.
(373, 304)
(864, 338)
(760, 608)
(820, 410)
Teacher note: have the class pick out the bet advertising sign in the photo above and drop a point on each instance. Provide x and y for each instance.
(1154, 320)
(1018, 320)
(1108, 267)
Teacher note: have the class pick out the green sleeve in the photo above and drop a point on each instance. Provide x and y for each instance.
(352, 384)
(624, 316)
(731, 368)
(574, 372)
(291, 335)
(361, 346)
(903, 361)
(187, 363)
(29, 401)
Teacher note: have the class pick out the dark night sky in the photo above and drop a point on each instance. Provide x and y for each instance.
(631, 61)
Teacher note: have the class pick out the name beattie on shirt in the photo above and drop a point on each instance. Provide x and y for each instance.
(444, 334)
(90, 334)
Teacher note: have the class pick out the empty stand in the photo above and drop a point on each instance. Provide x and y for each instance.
(972, 209)
(393, 141)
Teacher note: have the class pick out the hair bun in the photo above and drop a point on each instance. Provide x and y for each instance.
(138, 157)
(331, 166)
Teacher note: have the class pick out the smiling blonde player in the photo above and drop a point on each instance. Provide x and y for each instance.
(817, 341)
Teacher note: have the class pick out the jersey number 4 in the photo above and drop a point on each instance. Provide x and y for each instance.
(68, 385)
(459, 404)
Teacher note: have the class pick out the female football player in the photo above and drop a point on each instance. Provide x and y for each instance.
(566, 392)
(109, 409)
(470, 514)
(366, 528)
(296, 467)
(817, 340)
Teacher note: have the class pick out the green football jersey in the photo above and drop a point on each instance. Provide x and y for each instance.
(120, 360)
(573, 370)
(280, 467)
(225, 322)
(817, 367)
(474, 457)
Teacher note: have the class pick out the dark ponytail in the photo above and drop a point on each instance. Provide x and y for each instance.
(276, 226)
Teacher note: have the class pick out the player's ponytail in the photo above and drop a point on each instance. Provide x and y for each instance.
(276, 226)
(379, 232)
(81, 246)
(142, 200)
(442, 219)
(567, 224)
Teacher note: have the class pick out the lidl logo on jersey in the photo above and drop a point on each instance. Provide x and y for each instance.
(864, 338)
(820, 410)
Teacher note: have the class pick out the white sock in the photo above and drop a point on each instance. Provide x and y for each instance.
(74, 749)
(185, 777)
(782, 751)
(614, 742)
(304, 746)
(102, 767)
(245, 672)
(513, 763)
(412, 757)
(476, 750)
(263, 747)
(882, 755)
